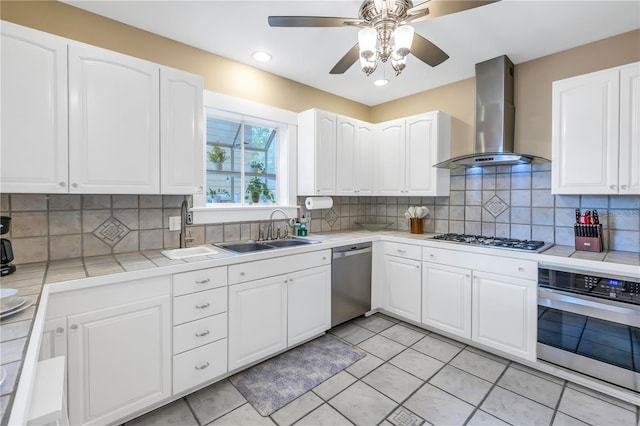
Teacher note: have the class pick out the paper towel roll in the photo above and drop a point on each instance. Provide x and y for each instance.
(315, 203)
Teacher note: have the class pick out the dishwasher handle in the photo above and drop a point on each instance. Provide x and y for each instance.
(354, 252)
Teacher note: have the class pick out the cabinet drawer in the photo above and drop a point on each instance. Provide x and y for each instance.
(251, 271)
(199, 365)
(525, 269)
(403, 250)
(199, 305)
(204, 279)
(200, 332)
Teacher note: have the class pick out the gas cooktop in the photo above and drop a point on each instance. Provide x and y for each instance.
(496, 242)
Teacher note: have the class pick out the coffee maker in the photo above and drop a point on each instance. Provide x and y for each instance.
(6, 252)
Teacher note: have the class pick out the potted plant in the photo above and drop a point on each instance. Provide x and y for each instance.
(257, 187)
(257, 166)
(217, 194)
(217, 155)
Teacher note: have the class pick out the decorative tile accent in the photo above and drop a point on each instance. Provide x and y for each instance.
(111, 232)
(404, 417)
(495, 206)
(331, 217)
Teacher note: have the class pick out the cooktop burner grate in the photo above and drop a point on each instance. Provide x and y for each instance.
(506, 243)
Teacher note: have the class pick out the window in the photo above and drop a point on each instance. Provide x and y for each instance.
(242, 161)
(247, 130)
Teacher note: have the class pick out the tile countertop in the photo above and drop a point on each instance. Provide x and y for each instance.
(30, 280)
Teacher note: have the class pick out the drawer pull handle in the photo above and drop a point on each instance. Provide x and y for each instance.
(520, 269)
(242, 274)
(202, 333)
(401, 251)
(203, 306)
(202, 366)
(203, 281)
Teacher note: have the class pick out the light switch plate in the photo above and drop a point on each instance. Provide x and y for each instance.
(174, 223)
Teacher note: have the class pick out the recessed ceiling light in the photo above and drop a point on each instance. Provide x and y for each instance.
(261, 56)
(381, 82)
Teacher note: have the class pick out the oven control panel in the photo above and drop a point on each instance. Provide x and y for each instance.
(624, 290)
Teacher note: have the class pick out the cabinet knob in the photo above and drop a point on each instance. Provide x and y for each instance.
(286, 281)
(74, 326)
(324, 257)
(242, 274)
(520, 269)
(202, 333)
(468, 276)
(432, 255)
(625, 187)
(59, 330)
(74, 185)
(62, 184)
(613, 187)
(202, 366)
(203, 281)
(203, 306)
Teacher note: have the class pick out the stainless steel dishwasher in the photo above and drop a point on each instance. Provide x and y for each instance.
(350, 282)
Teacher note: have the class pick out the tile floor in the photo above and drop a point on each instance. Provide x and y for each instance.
(411, 377)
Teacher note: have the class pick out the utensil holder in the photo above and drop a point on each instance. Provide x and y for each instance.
(590, 243)
(416, 225)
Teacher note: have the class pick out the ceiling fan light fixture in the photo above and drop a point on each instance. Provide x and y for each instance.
(368, 65)
(401, 40)
(367, 38)
(261, 56)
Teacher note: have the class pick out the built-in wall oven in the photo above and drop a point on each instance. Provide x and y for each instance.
(590, 323)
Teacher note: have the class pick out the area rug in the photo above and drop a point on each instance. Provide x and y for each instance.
(272, 384)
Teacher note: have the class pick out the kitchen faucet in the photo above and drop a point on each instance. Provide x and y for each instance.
(270, 228)
(184, 209)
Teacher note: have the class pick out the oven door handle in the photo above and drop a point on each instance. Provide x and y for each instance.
(608, 310)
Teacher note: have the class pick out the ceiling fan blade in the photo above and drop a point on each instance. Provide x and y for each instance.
(347, 60)
(445, 7)
(427, 52)
(311, 21)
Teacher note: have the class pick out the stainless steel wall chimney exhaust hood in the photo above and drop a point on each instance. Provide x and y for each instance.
(495, 120)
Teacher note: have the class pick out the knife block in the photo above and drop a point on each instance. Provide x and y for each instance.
(590, 243)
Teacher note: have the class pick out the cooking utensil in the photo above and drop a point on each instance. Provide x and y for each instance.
(412, 211)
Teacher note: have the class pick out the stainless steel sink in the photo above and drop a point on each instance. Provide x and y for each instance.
(288, 243)
(251, 246)
(244, 247)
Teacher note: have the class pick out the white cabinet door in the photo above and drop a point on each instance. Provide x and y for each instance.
(119, 360)
(308, 303)
(505, 314)
(630, 129)
(446, 298)
(427, 136)
(346, 155)
(34, 119)
(182, 132)
(365, 159)
(391, 158)
(114, 130)
(402, 283)
(316, 153)
(585, 134)
(257, 320)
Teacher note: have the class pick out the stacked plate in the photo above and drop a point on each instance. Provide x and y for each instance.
(10, 303)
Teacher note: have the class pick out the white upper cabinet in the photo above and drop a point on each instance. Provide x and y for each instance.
(354, 156)
(113, 123)
(408, 149)
(316, 153)
(630, 129)
(81, 119)
(181, 132)
(34, 111)
(595, 136)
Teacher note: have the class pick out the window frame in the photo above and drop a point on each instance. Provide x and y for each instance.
(253, 112)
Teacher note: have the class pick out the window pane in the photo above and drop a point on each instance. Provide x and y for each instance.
(254, 160)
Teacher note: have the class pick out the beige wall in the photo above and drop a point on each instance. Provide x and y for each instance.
(532, 79)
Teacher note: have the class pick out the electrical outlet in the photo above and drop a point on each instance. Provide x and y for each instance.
(174, 223)
(189, 218)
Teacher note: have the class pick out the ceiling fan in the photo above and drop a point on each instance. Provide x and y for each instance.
(385, 21)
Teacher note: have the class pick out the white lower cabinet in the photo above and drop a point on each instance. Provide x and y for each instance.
(199, 365)
(487, 299)
(270, 314)
(505, 314)
(119, 360)
(446, 298)
(402, 274)
(257, 320)
(308, 304)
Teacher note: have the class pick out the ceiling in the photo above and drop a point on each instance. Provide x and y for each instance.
(523, 30)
